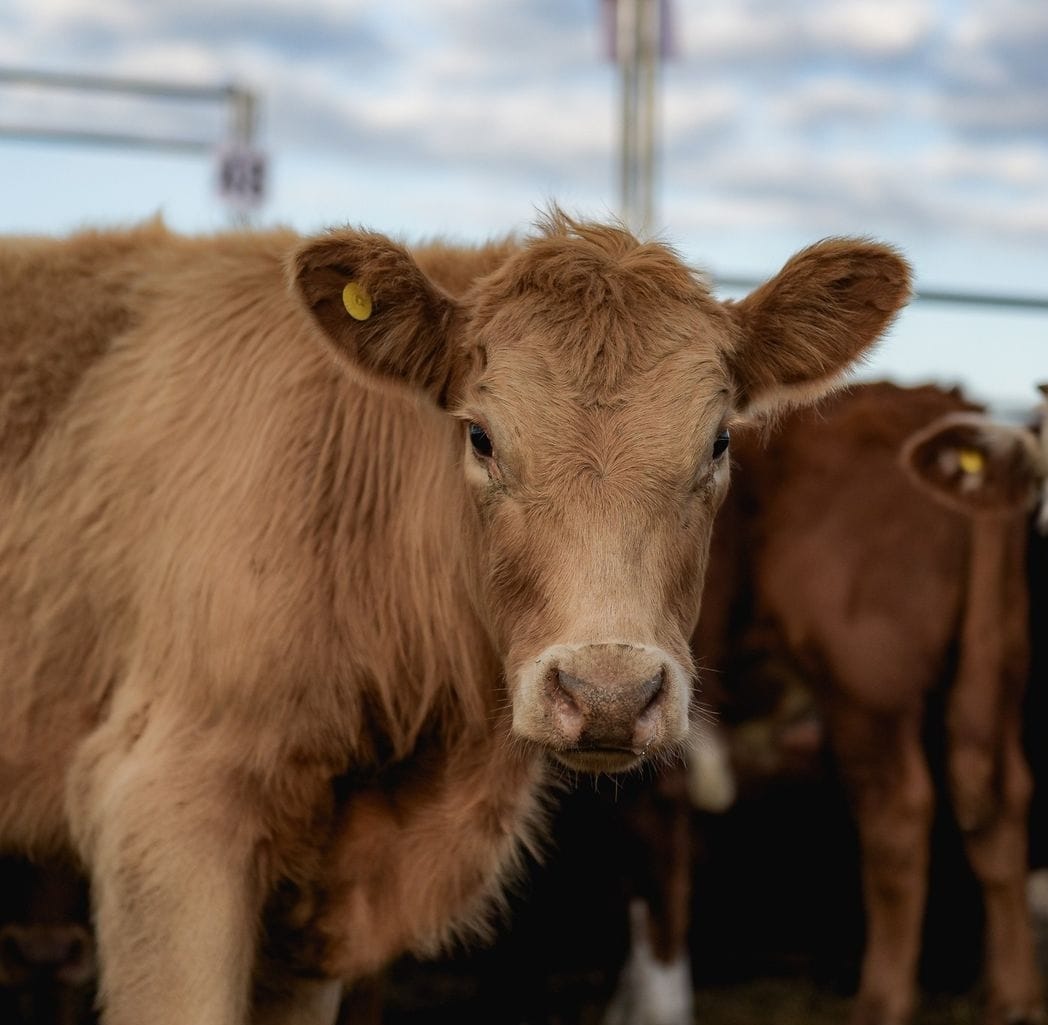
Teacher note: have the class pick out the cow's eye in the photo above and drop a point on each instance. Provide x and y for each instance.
(480, 441)
(720, 446)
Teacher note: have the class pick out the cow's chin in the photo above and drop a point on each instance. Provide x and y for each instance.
(598, 759)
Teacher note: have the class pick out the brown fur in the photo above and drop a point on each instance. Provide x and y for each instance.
(875, 589)
(273, 632)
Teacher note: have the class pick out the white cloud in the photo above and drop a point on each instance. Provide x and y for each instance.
(725, 31)
(883, 28)
(828, 113)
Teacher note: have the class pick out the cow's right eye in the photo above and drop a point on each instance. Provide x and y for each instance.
(480, 441)
(720, 445)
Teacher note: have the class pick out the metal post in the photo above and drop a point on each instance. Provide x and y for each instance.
(637, 36)
(648, 47)
(626, 51)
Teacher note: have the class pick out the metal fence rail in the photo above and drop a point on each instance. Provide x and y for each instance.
(932, 295)
(242, 166)
(240, 102)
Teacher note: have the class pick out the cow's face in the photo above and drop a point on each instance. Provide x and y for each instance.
(595, 447)
(593, 381)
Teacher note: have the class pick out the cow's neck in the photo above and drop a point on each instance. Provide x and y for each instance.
(421, 857)
(392, 519)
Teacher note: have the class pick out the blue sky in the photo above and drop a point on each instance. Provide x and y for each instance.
(922, 122)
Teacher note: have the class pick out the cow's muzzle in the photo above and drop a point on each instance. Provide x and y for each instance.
(603, 707)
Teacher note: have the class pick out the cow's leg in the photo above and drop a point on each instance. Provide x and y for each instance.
(301, 1002)
(997, 851)
(884, 767)
(651, 990)
(174, 874)
(990, 780)
(655, 987)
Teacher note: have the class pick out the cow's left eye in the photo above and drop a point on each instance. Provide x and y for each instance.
(720, 446)
(478, 438)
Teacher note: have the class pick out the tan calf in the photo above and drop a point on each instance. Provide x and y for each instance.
(306, 565)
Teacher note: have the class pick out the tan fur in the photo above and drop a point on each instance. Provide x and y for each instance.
(265, 615)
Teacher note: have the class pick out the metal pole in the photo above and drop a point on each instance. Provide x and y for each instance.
(931, 295)
(104, 83)
(121, 140)
(638, 35)
(626, 48)
(648, 47)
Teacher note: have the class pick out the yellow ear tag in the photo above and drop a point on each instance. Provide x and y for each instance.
(971, 460)
(356, 301)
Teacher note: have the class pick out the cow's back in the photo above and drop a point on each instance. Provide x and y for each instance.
(206, 497)
(849, 560)
(62, 303)
(116, 375)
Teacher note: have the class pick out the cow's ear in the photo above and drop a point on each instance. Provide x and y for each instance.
(381, 314)
(972, 465)
(815, 319)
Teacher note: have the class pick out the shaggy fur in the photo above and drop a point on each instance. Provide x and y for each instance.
(277, 641)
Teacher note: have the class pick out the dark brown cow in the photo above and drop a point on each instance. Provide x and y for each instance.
(306, 565)
(879, 595)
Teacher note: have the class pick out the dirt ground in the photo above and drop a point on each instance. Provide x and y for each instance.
(768, 1001)
(795, 1002)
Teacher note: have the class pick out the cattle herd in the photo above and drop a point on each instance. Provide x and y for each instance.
(373, 616)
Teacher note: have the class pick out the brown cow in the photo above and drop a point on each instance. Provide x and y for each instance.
(879, 594)
(272, 618)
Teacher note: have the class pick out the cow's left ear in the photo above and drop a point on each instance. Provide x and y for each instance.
(382, 315)
(802, 329)
(973, 465)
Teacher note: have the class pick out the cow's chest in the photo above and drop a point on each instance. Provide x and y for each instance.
(422, 860)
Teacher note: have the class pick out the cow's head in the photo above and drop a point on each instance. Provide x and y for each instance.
(974, 465)
(592, 381)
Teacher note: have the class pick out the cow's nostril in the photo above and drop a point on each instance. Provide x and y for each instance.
(571, 685)
(648, 692)
(633, 699)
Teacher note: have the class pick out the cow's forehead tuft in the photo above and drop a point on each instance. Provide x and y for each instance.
(597, 306)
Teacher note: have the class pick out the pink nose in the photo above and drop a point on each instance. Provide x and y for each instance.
(608, 714)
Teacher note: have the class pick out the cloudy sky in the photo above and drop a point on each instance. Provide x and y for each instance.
(923, 122)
